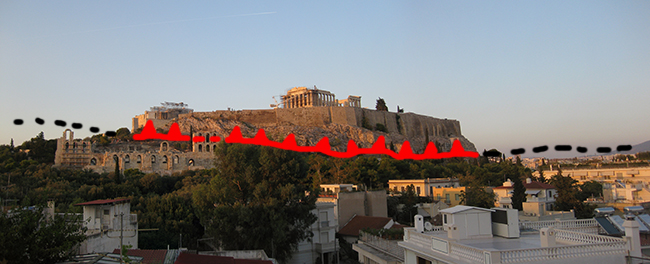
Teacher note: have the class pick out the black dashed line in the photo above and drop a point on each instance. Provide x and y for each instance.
(604, 150)
(94, 129)
(60, 123)
(540, 149)
(491, 153)
(624, 148)
(518, 151)
(110, 133)
(39, 121)
(18, 121)
(76, 125)
(563, 148)
(581, 149)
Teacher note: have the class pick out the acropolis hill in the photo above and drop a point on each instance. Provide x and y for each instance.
(311, 114)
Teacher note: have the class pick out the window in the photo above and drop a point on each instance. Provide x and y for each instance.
(200, 148)
(190, 162)
(447, 197)
(457, 196)
(127, 159)
(139, 159)
(207, 148)
(164, 159)
(402, 188)
(115, 158)
(93, 161)
(431, 190)
(67, 145)
(207, 139)
(175, 160)
(164, 146)
(153, 159)
(418, 190)
(106, 212)
(444, 218)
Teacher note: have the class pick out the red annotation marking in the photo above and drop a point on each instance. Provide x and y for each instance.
(323, 146)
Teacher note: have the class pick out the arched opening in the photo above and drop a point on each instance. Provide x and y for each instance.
(83, 146)
(115, 158)
(153, 159)
(164, 159)
(93, 161)
(207, 148)
(164, 146)
(190, 162)
(207, 139)
(127, 159)
(67, 145)
(175, 160)
(74, 145)
(200, 148)
(138, 159)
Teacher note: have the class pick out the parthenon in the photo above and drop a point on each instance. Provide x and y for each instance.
(299, 97)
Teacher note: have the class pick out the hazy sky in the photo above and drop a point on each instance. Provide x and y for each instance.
(514, 73)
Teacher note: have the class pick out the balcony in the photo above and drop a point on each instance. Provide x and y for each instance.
(324, 224)
(326, 247)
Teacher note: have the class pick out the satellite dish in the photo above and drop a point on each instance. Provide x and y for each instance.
(428, 226)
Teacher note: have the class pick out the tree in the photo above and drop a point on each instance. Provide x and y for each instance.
(590, 189)
(567, 196)
(260, 199)
(123, 134)
(475, 194)
(29, 236)
(381, 105)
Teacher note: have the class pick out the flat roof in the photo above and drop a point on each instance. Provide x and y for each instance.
(462, 208)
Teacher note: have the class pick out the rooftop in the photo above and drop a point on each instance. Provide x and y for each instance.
(100, 202)
(360, 222)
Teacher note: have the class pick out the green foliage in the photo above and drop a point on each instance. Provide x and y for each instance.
(100, 139)
(568, 196)
(381, 127)
(643, 155)
(123, 133)
(39, 149)
(381, 105)
(590, 189)
(29, 236)
(476, 195)
(258, 200)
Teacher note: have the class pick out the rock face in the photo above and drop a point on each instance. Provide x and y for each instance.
(339, 124)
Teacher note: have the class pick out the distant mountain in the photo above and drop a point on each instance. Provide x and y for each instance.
(645, 146)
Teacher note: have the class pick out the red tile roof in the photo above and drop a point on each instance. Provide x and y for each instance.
(360, 222)
(187, 258)
(98, 202)
(150, 256)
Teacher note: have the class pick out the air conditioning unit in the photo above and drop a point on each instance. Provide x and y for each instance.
(505, 222)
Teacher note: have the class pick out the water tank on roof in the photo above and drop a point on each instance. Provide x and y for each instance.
(633, 209)
(604, 211)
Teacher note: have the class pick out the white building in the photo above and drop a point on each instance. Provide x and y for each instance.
(107, 222)
(323, 245)
(478, 235)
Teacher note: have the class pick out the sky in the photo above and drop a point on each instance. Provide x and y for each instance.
(516, 74)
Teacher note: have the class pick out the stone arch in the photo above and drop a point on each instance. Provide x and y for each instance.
(116, 158)
(67, 145)
(93, 161)
(139, 159)
(74, 145)
(207, 148)
(207, 139)
(164, 159)
(190, 162)
(127, 159)
(164, 146)
(175, 160)
(200, 148)
(83, 146)
(68, 136)
(153, 159)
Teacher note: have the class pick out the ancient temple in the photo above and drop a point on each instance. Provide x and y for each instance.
(299, 97)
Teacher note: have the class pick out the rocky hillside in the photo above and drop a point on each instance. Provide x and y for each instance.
(338, 134)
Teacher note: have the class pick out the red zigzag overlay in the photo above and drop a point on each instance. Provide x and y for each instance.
(323, 146)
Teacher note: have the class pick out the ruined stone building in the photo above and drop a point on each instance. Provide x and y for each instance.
(147, 156)
(308, 113)
(160, 114)
(299, 97)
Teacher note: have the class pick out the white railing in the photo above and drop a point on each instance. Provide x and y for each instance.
(583, 238)
(564, 224)
(466, 253)
(387, 246)
(419, 238)
(563, 252)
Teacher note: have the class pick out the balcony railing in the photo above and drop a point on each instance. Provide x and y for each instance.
(565, 224)
(591, 246)
(387, 246)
